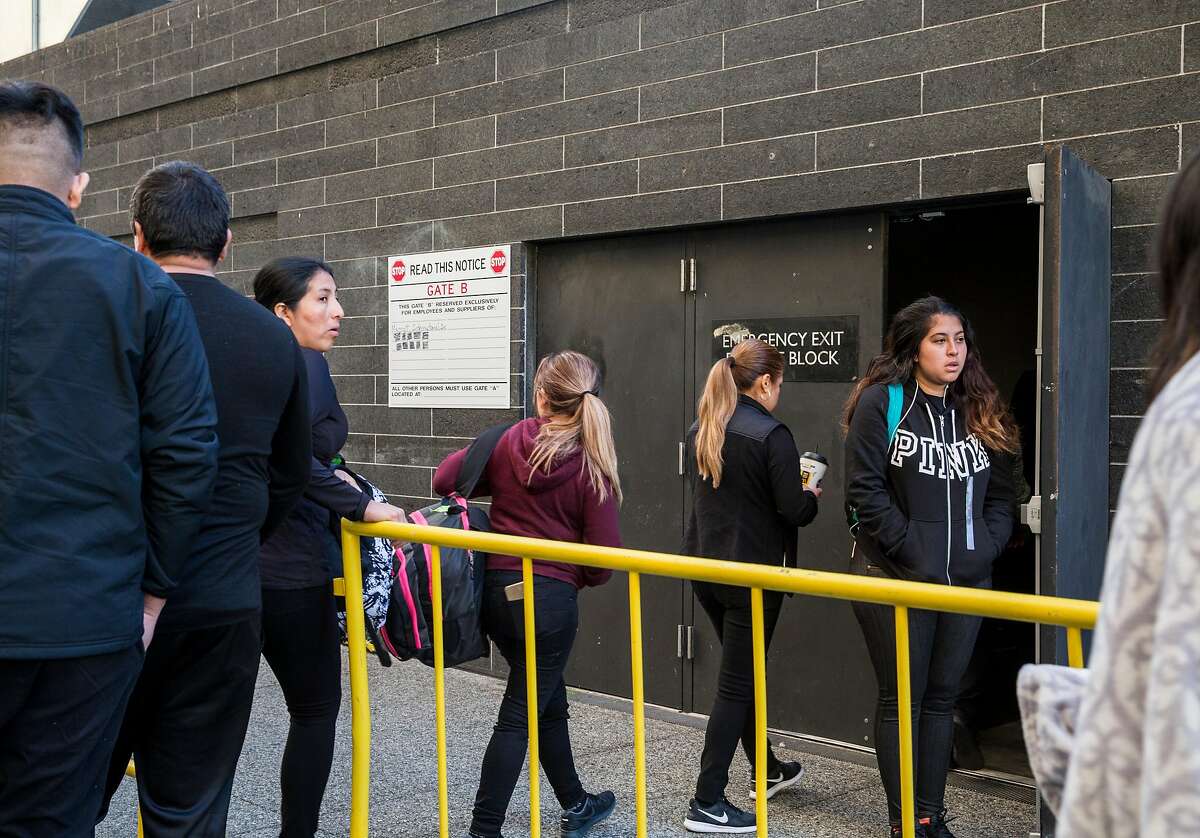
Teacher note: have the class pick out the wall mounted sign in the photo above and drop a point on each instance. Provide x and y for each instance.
(814, 348)
(449, 328)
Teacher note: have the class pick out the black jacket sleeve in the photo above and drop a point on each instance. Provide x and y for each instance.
(333, 493)
(178, 437)
(796, 506)
(999, 502)
(291, 450)
(867, 466)
(324, 487)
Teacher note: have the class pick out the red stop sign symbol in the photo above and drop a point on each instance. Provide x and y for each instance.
(499, 262)
(399, 269)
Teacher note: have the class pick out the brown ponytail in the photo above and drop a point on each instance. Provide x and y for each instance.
(750, 359)
(570, 383)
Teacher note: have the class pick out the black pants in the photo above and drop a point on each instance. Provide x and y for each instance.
(185, 725)
(58, 722)
(303, 648)
(556, 617)
(732, 717)
(939, 647)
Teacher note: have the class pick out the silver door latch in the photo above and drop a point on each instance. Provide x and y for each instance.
(1031, 514)
(685, 643)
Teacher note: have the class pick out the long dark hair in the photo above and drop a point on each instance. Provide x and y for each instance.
(1178, 278)
(285, 280)
(987, 415)
(750, 359)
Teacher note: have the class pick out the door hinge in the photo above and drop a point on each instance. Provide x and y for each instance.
(682, 451)
(1031, 514)
(692, 269)
(684, 642)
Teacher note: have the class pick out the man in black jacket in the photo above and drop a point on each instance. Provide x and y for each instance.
(188, 715)
(107, 420)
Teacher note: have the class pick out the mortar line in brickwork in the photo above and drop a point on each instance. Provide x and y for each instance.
(1182, 49)
(1043, 26)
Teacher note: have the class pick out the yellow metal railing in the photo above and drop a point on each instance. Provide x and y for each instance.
(1074, 615)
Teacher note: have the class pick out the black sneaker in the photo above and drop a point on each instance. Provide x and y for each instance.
(898, 831)
(578, 822)
(722, 817)
(788, 775)
(937, 826)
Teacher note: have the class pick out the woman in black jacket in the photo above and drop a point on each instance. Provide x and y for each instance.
(299, 622)
(748, 501)
(927, 505)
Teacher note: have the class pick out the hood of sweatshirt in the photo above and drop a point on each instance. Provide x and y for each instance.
(520, 441)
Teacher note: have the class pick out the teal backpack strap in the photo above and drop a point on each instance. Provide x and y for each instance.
(895, 408)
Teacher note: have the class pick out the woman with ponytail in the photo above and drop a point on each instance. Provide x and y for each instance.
(551, 476)
(747, 501)
(929, 488)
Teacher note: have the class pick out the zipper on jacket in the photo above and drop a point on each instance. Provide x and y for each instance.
(949, 522)
(970, 499)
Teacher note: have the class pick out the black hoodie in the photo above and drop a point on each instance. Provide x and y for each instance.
(918, 519)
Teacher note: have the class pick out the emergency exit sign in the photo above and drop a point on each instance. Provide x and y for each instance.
(814, 348)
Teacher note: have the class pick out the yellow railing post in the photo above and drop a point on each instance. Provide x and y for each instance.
(439, 692)
(360, 700)
(531, 698)
(639, 699)
(760, 710)
(904, 708)
(1075, 647)
(131, 771)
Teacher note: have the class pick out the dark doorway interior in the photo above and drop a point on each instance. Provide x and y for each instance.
(984, 260)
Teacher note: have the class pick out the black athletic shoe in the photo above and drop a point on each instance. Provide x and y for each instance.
(789, 774)
(721, 817)
(578, 822)
(898, 831)
(937, 826)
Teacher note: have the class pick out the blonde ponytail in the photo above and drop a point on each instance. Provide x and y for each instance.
(570, 384)
(750, 359)
(715, 409)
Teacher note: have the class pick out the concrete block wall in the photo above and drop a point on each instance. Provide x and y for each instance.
(355, 129)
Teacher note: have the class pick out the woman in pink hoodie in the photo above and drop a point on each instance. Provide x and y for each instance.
(555, 477)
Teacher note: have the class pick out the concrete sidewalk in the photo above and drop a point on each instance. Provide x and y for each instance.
(835, 799)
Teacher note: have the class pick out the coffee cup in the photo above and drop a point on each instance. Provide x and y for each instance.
(812, 469)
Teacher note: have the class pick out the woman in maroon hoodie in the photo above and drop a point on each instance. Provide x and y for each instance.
(554, 476)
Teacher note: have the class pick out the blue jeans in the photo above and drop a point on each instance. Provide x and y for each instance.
(556, 616)
(940, 647)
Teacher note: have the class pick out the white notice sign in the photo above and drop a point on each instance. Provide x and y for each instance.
(448, 328)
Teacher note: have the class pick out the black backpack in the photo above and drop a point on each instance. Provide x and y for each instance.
(408, 631)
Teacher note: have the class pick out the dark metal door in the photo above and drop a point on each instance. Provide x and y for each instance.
(831, 270)
(1072, 472)
(1076, 288)
(619, 301)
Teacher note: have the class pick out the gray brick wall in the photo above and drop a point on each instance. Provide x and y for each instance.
(351, 129)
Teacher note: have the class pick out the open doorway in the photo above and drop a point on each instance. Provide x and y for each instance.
(984, 260)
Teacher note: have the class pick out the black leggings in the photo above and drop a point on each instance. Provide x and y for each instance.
(940, 646)
(302, 646)
(732, 718)
(556, 619)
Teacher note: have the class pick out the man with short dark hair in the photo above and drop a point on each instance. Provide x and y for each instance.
(188, 714)
(107, 420)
